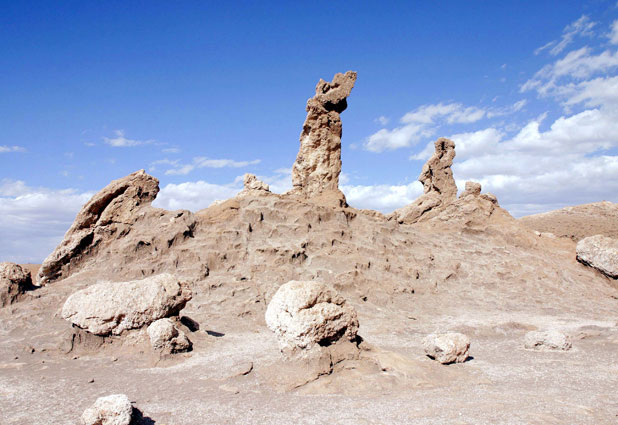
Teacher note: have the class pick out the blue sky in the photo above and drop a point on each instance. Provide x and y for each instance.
(198, 93)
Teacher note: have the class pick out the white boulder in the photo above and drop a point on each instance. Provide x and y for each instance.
(113, 307)
(547, 341)
(599, 252)
(113, 409)
(165, 336)
(305, 314)
(446, 348)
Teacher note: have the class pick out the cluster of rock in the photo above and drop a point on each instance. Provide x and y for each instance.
(111, 308)
(439, 199)
(599, 252)
(14, 281)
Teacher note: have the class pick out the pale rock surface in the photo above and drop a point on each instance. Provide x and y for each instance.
(472, 188)
(599, 252)
(165, 336)
(547, 341)
(113, 307)
(318, 163)
(439, 188)
(252, 183)
(117, 202)
(14, 281)
(446, 348)
(577, 222)
(304, 313)
(113, 409)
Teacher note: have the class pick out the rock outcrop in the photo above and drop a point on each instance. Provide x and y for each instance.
(165, 336)
(547, 341)
(113, 409)
(113, 307)
(14, 281)
(599, 252)
(306, 314)
(252, 184)
(318, 164)
(115, 204)
(447, 348)
(439, 188)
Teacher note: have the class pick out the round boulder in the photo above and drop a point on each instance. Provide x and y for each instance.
(447, 348)
(547, 341)
(165, 336)
(113, 409)
(306, 314)
(14, 280)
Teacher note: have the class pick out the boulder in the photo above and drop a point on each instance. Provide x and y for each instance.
(439, 188)
(447, 348)
(113, 409)
(599, 252)
(318, 163)
(252, 184)
(547, 341)
(472, 188)
(14, 281)
(165, 336)
(116, 203)
(113, 307)
(306, 314)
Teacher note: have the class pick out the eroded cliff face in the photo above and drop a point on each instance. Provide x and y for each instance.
(263, 239)
(318, 164)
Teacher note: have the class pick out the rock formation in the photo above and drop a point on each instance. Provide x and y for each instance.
(115, 204)
(14, 281)
(318, 164)
(166, 337)
(305, 314)
(547, 341)
(447, 348)
(113, 409)
(599, 252)
(439, 188)
(252, 184)
(113, 307)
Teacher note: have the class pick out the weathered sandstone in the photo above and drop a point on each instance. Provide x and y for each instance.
(165, 336)
(439, 188)
(14, 281)
(599, 252)
(113, 409)
(113, 307)
(305, 314)
(318, 163)
(447, 348)
(547, 341)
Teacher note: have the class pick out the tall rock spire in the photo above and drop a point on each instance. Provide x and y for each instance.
(318, 164)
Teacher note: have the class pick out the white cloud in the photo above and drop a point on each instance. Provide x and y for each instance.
(423, 121)
(382, 120)
(203, 162)
(194, 196)
(613, 35)
(170, 150)
(34, 220)
(576, 65)
(582, 27)
(596, 92)
(5, 149)
(120, 141)
(384, 198)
